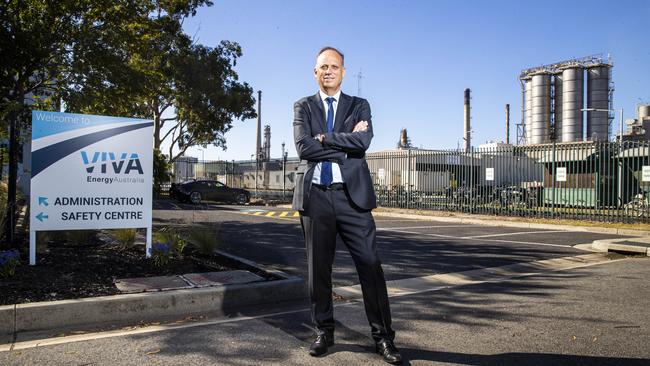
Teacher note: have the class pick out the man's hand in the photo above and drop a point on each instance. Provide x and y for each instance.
(362, 126)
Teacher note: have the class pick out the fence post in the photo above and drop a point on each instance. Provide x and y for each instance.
(408, 178)
(554, 179)
(470, 189)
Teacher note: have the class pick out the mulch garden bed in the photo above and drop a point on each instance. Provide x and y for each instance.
(69, 271)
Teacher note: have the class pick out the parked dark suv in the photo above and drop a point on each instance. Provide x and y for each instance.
(208, 190)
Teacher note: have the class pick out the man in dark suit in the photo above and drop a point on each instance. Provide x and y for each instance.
(335, 195)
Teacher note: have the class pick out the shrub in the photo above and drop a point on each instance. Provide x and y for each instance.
(42, 240)
(173, 238)
(161, 254)
(205, 239)
(126, 237)
(9, 260)
(79, 237)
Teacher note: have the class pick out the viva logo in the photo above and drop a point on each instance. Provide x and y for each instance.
(105, 159)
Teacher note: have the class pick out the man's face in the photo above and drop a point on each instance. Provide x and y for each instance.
(329, 71)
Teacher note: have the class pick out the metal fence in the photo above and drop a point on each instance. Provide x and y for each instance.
(604, 181)
(593, 180)
(269, 179)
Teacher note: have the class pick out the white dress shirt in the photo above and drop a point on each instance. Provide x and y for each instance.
(336, 170)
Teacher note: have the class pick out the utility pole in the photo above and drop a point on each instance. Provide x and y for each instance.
(359, 76)
(284, 171)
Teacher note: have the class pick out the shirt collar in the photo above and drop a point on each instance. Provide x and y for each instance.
(336, 96)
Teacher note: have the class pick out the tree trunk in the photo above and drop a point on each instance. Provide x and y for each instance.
(2, 162)
(10, 219)
(156, 127)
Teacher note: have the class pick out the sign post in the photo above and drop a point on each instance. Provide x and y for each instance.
(90, 172)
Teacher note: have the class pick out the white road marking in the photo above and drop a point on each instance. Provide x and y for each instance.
(418, 227)
(525, 242)
(477, 239)
(519, 233)
(383, 218)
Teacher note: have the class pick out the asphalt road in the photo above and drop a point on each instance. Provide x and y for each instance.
(407, 248)
(594, 315)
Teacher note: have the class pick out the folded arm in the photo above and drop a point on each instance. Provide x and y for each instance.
(356, 141)
(307, 147)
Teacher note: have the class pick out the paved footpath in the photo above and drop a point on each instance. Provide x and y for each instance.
(592, 315)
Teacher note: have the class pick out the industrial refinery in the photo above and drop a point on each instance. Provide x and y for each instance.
(555, 98)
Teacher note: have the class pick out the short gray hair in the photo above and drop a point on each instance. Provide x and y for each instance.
(328, 48)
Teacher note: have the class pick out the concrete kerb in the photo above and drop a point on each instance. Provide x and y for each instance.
(150, 306)
(616, 245)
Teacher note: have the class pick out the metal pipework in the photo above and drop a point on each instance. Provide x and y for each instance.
(528, 110)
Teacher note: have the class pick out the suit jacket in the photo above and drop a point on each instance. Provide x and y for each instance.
(341, 146)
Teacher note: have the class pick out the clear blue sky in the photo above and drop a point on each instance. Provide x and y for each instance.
(417, 57)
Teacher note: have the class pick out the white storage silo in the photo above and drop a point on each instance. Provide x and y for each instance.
(598, 98)
(558, 82)
(572, 104)
(541, 111)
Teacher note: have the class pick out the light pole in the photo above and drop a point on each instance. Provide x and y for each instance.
(284, 171)
(620, 150)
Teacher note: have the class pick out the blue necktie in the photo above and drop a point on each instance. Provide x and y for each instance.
(326, 167)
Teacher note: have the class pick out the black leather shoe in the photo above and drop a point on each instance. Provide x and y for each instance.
(319, 347)
(389, 352)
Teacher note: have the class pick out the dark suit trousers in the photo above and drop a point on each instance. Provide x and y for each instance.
(331, 212)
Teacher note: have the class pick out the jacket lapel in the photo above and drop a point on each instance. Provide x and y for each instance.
(317, 105)
(342, 110)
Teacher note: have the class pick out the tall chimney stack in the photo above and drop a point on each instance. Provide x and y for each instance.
(267, 143)
(466, 132)
(507, 123)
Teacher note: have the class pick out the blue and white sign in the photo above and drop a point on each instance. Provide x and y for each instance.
(90, 172)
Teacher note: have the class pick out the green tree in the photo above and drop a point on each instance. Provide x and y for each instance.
(207, 97)
(120, 57)
(35, 37)
(191, 91)
(160, 170)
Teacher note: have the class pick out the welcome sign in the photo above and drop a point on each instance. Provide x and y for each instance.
(90, 172)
